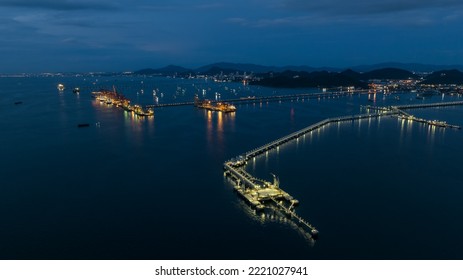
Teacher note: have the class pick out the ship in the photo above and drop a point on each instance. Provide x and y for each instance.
(438, 123)
(112, 97)
(138, 110)
(217, 106)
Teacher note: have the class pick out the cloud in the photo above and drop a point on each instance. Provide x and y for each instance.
(310, 13)
(274, 22)
(237, 20)
(362, 7)
(208, 6)
(59, 5)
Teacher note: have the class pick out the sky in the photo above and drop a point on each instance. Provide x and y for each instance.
(127, 35)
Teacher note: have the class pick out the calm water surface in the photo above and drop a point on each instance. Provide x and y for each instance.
(131, 188)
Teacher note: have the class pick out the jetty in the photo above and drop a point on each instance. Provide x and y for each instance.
(272, 98)
(261, 194)
(428, 105)
(119, 100)
(177, 104)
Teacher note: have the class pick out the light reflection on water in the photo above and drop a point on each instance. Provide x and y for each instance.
(217, 125)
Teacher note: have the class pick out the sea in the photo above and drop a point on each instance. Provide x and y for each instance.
(129, 187)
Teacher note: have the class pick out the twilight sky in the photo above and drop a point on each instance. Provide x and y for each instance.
(125, 35)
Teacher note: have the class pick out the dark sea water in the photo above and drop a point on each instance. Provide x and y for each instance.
(153, 188)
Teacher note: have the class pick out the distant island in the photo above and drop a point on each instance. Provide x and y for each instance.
(304, 77)
(297, 76)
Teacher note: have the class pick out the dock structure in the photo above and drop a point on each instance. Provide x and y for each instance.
(263, 195)
(399, 111)
(273, 98)
(112, 97)
(436, 123)
(406, 116)
(255, 190)
(429, 105)
(177, 104)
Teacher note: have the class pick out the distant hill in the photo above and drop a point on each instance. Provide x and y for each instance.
(413, 67)
(352, 74)
(347, 77)
(168, 70)
(294, 79)
(255, 68)
(444, 77)
(218, 70)
(388, 74)
(235, 67)
(227, 67)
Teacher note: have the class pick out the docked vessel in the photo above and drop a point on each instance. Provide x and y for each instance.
(438, 123)
(119, 100)
(216, 106)
(138, 110)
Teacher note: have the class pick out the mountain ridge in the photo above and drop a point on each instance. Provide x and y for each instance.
(260, 69)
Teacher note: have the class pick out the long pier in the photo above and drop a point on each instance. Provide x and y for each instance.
(292, 96)
(273, 98)
(189, 103)
(259, 193)
(429, 105)
(436, 123)
(310, 128)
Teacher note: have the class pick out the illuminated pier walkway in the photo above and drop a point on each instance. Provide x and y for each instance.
(274, 98)
(189, 103)
(310, 128)
(262, 195)
(404, 115)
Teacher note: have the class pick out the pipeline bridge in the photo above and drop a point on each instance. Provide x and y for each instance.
(428, 105)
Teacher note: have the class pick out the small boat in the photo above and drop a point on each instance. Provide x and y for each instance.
(83, 125)
(60, 87)
(18, 103)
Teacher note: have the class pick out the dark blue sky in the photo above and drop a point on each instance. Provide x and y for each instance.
(124, 35)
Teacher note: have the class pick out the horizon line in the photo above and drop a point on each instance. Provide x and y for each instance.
(373, 65)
